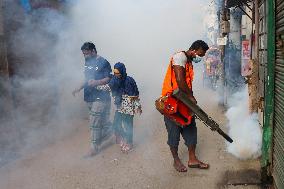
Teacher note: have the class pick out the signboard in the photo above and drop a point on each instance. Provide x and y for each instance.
(246, 67)
(222, 41)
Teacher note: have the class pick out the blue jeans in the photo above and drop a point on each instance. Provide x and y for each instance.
(123, 126)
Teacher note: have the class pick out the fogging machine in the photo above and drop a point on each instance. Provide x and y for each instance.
(200, 114)
(180, 109)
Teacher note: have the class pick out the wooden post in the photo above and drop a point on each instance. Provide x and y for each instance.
(252, 87)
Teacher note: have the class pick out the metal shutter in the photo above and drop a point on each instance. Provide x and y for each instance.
(278, 130)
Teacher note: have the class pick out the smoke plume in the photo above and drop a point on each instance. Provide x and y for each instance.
(48, 63)
(244, 128)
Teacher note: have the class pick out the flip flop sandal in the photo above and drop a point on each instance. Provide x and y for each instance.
(122, 146)
(126, 148)
(199, 166)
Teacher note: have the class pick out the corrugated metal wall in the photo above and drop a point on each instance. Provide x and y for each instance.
(278, 130)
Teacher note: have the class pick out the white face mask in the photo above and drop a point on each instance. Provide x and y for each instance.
(197, 59)
(86, 56)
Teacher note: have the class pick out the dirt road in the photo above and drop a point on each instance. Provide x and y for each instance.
(61, 165)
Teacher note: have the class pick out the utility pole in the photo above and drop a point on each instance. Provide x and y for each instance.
(224, 27)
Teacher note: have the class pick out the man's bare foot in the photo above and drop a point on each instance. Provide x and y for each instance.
(197, 164)
(179, 166)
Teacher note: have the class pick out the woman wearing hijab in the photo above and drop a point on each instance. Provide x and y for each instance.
(126, 98)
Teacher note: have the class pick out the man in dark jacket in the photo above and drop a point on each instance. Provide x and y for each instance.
(97, 72)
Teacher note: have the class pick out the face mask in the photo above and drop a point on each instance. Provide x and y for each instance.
(88, 57)
(197, 59)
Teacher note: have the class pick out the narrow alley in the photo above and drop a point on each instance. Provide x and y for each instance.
(149, 165)
(88, 94)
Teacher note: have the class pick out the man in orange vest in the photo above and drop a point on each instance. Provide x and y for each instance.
(180, 75)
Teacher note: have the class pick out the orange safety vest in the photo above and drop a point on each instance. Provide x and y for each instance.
(175, 109)
(170, 83)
